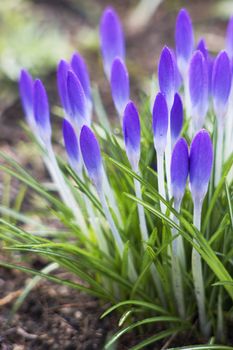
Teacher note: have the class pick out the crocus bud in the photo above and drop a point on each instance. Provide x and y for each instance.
(198, 89)
(202, 47)
(176, 116)
(201, 160)
(179, 169)
(77, 100)
(62, 72)
(166, 75)
(111, 39)
(71, 145)
(131, 131)
(26, 94)
(120, 85)
(184, 40)
(229, 38)
(91, 156)
(80, 69)
(221, 83)
(41, 112)
(160, 123)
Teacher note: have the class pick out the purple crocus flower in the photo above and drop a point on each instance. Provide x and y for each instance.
(77, 100)
(221, 83)
(62, 72)
(111, 39)
(80, 69)
(198, 89)
(26, 94)
(41, 112)
(179, 169)
(91, 156)
(176, 118)
(120, 85)
(184, 40)
(167, 75)
(131, 131)
(229, 38)
(160, 122)
(201, 161)
(71, 145)
(202, 47)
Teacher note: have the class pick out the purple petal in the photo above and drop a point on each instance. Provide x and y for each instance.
(210, 62)
(229, 38)
(179, 169)
(91, 155)
(131, 131)
(71, 145)
(166, 75)
(198, 89)
(111, 39)
(77, 100)
(41, 111)
(201, 160)
(221, 83)
(26, 94)
(160, 122)
(62, 72)
(120, 85)
(202, 47)
(80, 69)
(184, 40)
(176, 116)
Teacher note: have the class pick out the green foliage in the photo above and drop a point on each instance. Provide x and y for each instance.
(103, 273)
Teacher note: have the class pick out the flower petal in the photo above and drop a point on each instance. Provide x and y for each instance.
(41, 111)
(201, 161)
(179, 168)
(111, 39)
(120, 85)
(131, 131)
(160, 122)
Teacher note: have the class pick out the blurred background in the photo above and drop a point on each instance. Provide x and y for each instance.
(36, 34)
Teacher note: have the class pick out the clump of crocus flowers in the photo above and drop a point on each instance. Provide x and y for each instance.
(190, 80)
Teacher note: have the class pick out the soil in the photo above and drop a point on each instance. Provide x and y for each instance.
(55, 317)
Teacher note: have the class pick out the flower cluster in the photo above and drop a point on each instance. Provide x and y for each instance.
(189, 79)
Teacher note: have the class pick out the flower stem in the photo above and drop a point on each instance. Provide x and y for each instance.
(219, 154)
(198, 274)
(141, 213)
(161, 184)
(63, 189)
(178, 261)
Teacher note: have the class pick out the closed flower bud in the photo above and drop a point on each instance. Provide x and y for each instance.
(184, 40)
(120, 85)
(160, 123)
(176, 116)
(91, 156)
(131, 131)
(221, 83)
(41, 112)
(198, 89)
(77, 100)
(80, 69)
(179, 169)
(167, 75)
(62, 72)
(26, 94)
(111, 39)
(71, 145)
(201, 161)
